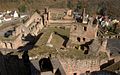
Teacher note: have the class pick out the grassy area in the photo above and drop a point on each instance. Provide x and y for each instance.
(69, 53)
(46, 34)
(103, 55)
(41, 50)
(57, 41)
(77, 54)
(55, 16)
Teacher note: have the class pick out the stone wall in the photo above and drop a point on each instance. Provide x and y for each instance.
(13, 44)
(36, 28)
(72, 66)
(33, 18)
(17, 42)
(80, 34)
(2, 44)
(103, 48)
(18, 30)
(62, 21)
(34, 24)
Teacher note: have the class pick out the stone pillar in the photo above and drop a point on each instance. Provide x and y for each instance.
(95, 30)
(85, 17)
(45, 19)
(49, 16)
(49, 40)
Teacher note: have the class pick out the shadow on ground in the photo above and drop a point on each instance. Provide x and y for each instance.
(31, 42)
(64, 37)
(13, 65)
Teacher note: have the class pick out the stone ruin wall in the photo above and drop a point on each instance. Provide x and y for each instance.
(17, 30)
(33, 18)
(17, 42)
(12, 44)
(84, 36)
(5, 44)
(35, 29)
(62, 21)
(72, 66)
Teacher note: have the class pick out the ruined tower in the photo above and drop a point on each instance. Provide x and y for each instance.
(46, 17)
(82, 33)
(85, 17)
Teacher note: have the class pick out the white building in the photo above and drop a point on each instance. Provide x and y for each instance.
(15, 15)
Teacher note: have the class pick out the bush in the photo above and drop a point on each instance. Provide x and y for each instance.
(102, 9)
(69, 4)
(79, 5)
(22, 8)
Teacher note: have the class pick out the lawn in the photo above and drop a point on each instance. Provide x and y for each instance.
(57, 41)
(46, 34)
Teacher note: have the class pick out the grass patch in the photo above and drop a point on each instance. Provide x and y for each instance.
(57, 41)
(103, 55)
(41, 51)
(78, 54)
(48, 31)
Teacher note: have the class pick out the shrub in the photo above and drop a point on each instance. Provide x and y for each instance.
(22, 8)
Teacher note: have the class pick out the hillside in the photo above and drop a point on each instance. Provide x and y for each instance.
(112, 7)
